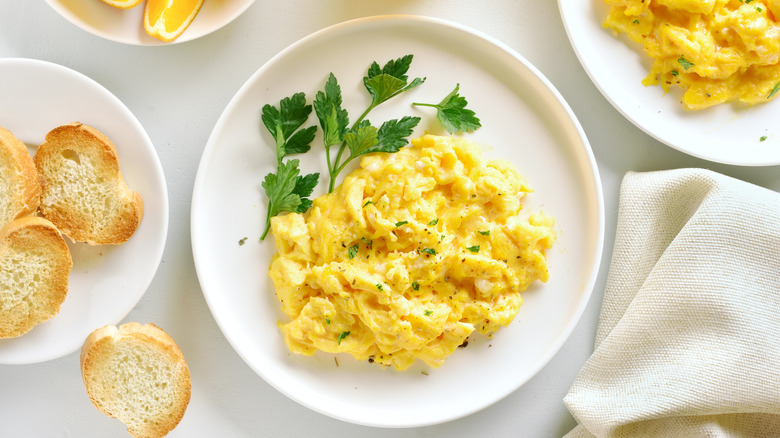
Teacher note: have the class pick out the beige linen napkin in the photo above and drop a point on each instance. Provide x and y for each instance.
(688, 341)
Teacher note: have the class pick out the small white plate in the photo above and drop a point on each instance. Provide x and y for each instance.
(127, 25)
(725, 133)
(107, 280)
(524, 120)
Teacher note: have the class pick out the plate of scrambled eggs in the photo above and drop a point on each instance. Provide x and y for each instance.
(701, 76)
(457, 265)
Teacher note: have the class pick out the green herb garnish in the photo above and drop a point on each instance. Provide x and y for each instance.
(352, 251)
(286, 189)
(774, 90)
(379, 286)
(433, 222)
(674, 73)
(368, 202)
(684, 62)
(342, 335)
(636, 21)
(474, 248)
(415, 286)
(453, 114)
(763, 138)
(430, 251)
(484, 233)
(242, 241)
(363, 138)
(401, 223)
(428, 312)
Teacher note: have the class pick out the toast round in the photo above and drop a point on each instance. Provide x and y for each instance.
(84, 193)
(20, 187)
(35, 265)
(137, 374)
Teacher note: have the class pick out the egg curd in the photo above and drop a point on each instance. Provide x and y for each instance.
(715, 50)
(409, 256)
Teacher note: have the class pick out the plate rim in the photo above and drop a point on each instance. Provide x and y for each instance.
(210, 148)
(164, 200)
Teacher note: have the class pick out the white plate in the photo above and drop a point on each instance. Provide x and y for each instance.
(127, 26)
(525, 120)
(724, 133)
(106, 281)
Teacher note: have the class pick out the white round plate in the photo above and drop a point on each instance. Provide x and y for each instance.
(107, 280)
(524, 120)
(725, 133)
(127, 25)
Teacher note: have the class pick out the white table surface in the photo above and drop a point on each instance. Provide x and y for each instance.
(178, 92)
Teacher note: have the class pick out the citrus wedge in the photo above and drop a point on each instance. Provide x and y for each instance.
(123, 4)
(167, 19)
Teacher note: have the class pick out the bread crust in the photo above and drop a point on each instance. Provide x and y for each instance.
(84, 193)
(98, 366)
(31, 247)
(20, 186)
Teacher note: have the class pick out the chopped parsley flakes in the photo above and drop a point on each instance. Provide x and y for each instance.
(352, 251)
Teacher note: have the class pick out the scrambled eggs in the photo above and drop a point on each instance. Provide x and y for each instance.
(410, 255)
(715, 50)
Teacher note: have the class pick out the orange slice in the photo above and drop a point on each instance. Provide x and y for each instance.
(123, 4)
(167, 19)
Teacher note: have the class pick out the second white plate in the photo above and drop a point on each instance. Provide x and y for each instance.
(524, 119)
(107, 280)
(724, 133)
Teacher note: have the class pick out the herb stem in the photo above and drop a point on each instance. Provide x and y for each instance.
(267, 222)
(336, 168)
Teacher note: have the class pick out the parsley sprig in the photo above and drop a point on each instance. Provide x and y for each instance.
(286, 189)
(453, 114)
(362, 138)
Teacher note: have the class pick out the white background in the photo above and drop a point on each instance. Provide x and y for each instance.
(178, 92)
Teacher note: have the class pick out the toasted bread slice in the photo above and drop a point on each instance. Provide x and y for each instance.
(35, 265)
(84, 193)
(137, 374)
(20, 187)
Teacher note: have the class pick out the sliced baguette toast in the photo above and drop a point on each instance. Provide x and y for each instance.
(137, 374)
(20, 187)
(84, 193)
(35, 265)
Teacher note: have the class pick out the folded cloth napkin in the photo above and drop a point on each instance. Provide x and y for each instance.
(688, 341)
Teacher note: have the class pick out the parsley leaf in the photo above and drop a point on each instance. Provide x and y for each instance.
(365, 138)
(287, 191)
(333, 118)
(428, 312)
(342, 335)
(685, 63)
(433, 222)
(484, 233)
(415, 286)
(389, 81)
(453, 114)
(430, 251)
(401, 223)
(473, 249)
(283, 124)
